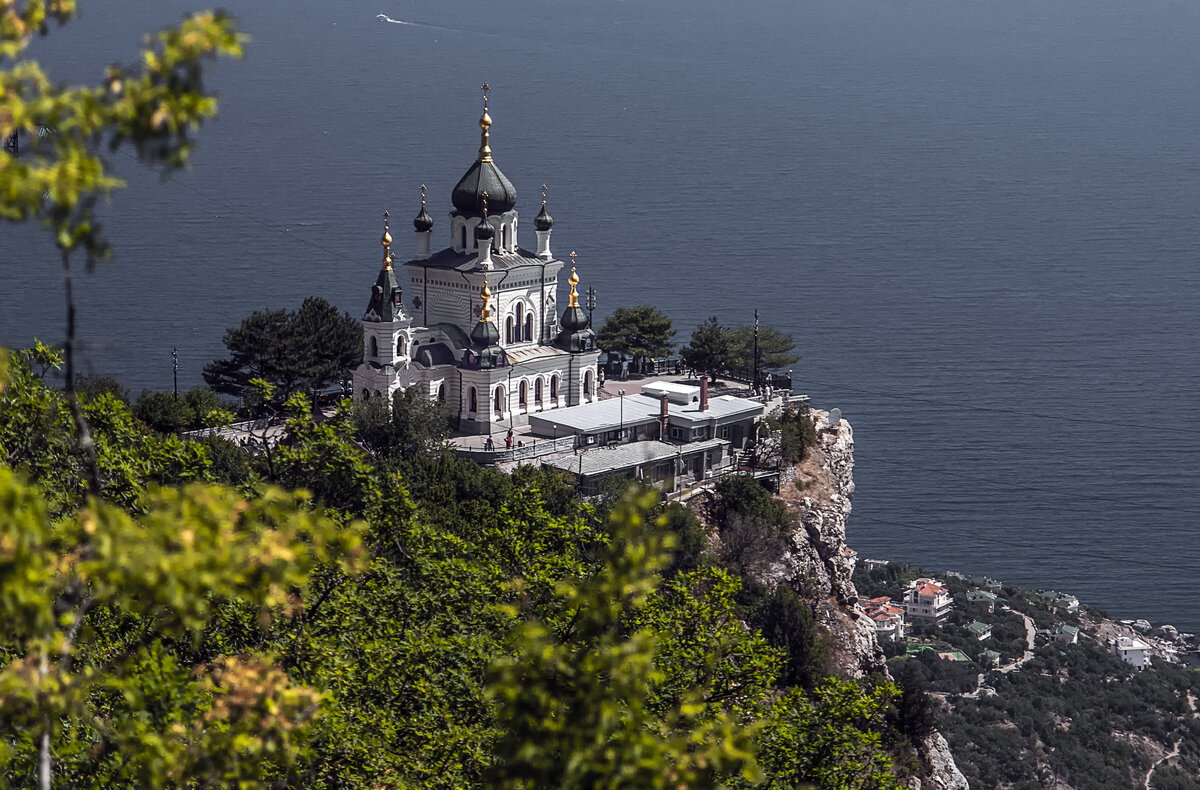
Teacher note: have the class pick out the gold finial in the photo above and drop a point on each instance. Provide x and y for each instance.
(386, 241)
(574, 281)
(543, 194)
(422, 196)
(485, 202)
(485, 123)
(485, 311)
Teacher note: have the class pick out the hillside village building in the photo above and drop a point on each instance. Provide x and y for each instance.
(480, 329)
(927, 600)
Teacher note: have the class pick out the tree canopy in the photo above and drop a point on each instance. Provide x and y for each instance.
(327, 613)
(642, 331)
(715, 349)
(292, 350)
(710, 350)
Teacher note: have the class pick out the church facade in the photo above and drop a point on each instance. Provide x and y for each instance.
(480, 329)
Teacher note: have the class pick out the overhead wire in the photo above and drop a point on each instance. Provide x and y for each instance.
(998, 410)
(1009, 543)
(859, 458)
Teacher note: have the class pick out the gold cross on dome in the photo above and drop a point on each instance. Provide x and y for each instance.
(543, 194)
(485, 88)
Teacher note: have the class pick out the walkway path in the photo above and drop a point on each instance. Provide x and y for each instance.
(1030, 632)
(1173, 753)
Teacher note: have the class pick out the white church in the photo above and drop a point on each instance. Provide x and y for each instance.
(479, 330)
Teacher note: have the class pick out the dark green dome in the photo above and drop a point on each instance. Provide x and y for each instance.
(543, 221)
(484, 229)
(423, 222)
(484, 177)
(485, 334)
(575, 319)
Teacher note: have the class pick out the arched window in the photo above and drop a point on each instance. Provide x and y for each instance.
(400, 346)
(537, 391)
(374, 347)
(529, 326)
(474, 400)
(498, 405)
(520, 313)
(587, 384)
(508, 330)
(366, 394)
(463, 236)
(554, 388)
(523, 394)
(442, 392)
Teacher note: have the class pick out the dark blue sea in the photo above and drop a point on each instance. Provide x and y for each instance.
(980, 221)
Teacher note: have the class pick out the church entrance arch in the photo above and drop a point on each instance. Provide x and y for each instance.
(498, 403)
(474, 399)
(554, 389)
(523, 391)
(587, 384)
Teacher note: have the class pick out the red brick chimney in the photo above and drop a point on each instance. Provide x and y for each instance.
(704, 394)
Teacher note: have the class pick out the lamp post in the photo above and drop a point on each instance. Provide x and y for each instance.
(754, 384)
(621, 432)
(508, 400)
(175, 370)
(591, 304)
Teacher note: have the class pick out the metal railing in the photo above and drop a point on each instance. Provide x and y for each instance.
(230, 430)
(534, 448)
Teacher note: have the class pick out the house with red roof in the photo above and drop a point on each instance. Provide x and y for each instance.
(928, 600)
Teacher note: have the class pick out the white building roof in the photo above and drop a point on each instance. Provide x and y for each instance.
(597, 416)
(637, 410)
(626, 456)
(1129, 643)
(676, 392)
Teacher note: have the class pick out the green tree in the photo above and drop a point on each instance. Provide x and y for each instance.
(575, 709)
(164, 412)
(787, 622)
(914, 714)
(710, 350)
(831, 739)
(774, 350)
(641, 331)
(299, 350)
(414, 425)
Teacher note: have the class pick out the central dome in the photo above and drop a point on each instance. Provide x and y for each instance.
(484, 177)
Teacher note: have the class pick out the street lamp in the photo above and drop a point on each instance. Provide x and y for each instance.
(621, 433)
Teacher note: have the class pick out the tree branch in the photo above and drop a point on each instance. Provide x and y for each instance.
(83, 433)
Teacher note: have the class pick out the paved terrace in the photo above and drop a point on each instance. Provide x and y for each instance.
(527, 447)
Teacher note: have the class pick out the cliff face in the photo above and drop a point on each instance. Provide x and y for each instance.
(819, 564)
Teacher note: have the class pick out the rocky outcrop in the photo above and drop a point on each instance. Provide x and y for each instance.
(819, 565)
(944, 773)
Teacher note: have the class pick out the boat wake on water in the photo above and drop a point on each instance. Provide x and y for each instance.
(388, 19)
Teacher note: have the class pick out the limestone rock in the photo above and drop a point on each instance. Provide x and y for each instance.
(944, 773)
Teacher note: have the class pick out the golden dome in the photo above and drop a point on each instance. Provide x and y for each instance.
(485, 312)
(574, 281)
